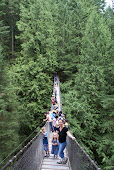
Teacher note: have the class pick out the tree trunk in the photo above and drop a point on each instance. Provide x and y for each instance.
(12, 38)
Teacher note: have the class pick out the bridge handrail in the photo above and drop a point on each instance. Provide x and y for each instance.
(78, 158)
(25, 147)
(22, 150)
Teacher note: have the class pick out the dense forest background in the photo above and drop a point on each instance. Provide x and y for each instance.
(73, 38)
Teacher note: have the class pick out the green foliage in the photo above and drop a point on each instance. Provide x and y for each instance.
(9, 15)
(37, 32)
(3, 27)
(33, 88)
(33, 72)
(87, 95)
(9, 125)
(74, 38)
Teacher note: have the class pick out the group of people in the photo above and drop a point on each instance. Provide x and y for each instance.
(59, 127)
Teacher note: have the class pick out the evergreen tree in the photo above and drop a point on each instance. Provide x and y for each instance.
(9, 125)
(9, 15)
(71, 21)
(100, 4)
(74, 38)
(87, 92)
(37, 31)
(4, 30)
(32, 75)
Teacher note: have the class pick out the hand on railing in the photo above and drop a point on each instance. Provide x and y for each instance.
(70, 135)
(73, 138)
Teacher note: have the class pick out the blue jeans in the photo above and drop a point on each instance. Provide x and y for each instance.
(51, 127)
(61, 149)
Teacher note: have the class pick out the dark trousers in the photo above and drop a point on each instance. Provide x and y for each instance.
(51, 126)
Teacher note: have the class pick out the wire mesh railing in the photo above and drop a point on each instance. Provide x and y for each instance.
(84, 149)
(30, 156)
(78, 158)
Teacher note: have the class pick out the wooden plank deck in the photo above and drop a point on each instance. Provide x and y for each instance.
(50, 163)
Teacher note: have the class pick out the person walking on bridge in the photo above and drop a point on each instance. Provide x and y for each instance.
(50, 120)
(45, 141)
(63, 132)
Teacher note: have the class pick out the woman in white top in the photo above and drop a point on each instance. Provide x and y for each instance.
(50, 120)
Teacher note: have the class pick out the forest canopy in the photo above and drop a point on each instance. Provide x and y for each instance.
(74, 39)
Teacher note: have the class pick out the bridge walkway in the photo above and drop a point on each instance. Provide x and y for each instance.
(50, 163)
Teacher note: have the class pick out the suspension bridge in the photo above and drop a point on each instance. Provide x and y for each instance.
(31, 156)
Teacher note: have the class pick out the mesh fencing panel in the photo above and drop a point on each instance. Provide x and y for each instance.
(32, 157)
(79, 160)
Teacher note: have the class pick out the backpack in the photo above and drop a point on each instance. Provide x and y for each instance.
(53, 101)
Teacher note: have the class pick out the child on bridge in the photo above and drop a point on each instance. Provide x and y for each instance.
(55, 146)
(45, 141)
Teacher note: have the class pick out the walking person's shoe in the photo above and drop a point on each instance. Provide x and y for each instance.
(45, 155)
(48, 155)
(60, 162)
(64, 160)
(56, 156)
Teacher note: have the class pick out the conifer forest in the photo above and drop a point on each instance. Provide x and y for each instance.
(74, 39)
